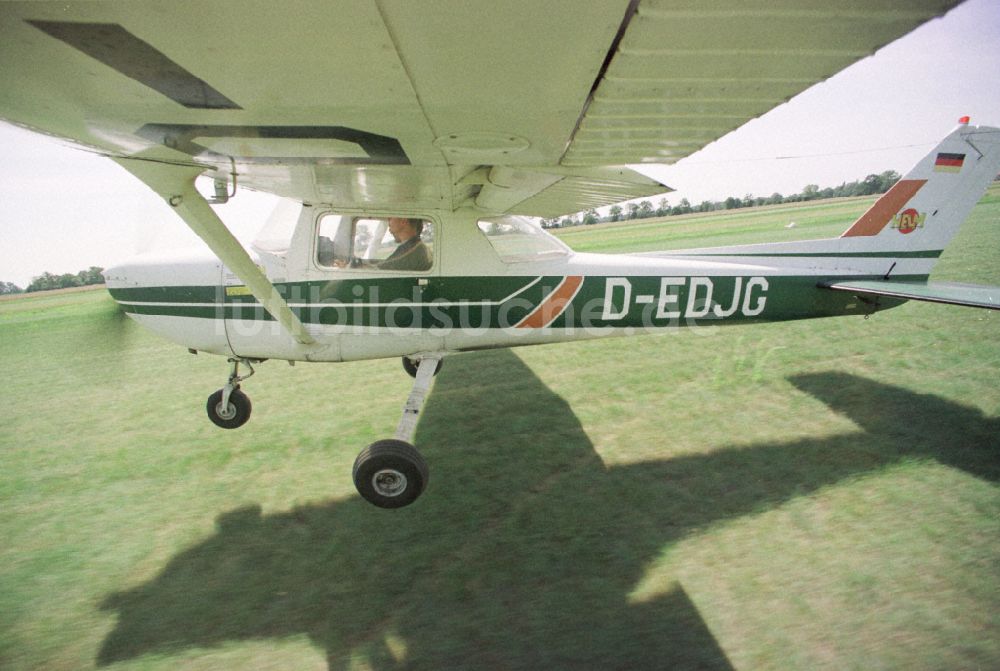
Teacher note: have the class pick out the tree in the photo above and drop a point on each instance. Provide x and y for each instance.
(887, 180)
(68, 280)
(90, 276)
(633, 211)
(870, 185)
(7, 288)
(47, 280)
(645, 209)
(43, 282)
(615, 212)
(590, 217)
(683, 207)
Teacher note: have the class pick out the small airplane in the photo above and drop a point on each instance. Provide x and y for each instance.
(412, 143)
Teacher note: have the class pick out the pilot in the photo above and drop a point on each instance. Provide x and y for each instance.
(412, 253)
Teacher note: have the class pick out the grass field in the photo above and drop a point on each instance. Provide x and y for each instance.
(808, 495)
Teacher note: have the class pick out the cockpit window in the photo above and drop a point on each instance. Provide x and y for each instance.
(518, 239)
(376, 243)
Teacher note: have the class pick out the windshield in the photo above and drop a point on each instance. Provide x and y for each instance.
(518, 239)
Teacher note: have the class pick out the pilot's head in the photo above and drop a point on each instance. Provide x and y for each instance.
(403, 228)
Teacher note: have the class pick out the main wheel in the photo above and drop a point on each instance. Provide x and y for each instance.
(390, 473)
(410, 366)
(234, 415)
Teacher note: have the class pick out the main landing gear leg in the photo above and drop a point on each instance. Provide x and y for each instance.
(391, 473)
(229, 407)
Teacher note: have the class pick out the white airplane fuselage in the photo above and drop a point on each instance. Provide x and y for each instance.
(473, 298)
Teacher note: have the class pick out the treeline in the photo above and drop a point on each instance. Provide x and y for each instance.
(47, 281)
(644, 209)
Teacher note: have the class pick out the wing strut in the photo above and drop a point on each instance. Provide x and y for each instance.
(175, 183)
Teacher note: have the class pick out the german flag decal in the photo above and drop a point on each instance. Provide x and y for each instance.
(949, 162)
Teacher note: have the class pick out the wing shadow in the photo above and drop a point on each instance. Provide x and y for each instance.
(521, 555)
(917, 425)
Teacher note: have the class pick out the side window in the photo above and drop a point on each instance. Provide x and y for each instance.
(376, 243)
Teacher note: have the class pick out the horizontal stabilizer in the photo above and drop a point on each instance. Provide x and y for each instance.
(951, 293)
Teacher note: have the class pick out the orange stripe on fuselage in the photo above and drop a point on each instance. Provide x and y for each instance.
(878, 215)
(553, 305)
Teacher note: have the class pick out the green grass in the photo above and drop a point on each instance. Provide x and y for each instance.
(810, 495)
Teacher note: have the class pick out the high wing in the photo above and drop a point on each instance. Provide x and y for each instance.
(513, 106)
(949, 293)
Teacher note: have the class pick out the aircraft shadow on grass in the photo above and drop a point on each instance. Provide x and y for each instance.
(525, 549)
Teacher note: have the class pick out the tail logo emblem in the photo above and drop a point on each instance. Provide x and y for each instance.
(908, 221)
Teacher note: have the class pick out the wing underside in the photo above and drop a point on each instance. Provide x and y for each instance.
(950, 293)
(513, 106)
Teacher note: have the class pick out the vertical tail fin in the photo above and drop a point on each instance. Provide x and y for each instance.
(924, 210)
(904, 232)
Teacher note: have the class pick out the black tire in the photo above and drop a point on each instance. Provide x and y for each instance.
(237, 413)
(410, 366)
(390, 473)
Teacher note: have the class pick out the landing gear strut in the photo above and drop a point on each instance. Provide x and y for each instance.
(229, 407)
(391, 473)
(410, 366)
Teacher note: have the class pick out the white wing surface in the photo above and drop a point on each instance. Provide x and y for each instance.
(514, 106)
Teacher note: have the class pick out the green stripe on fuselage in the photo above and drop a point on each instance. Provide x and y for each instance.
(476, 302)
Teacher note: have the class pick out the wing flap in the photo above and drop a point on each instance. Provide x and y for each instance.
(949, 293)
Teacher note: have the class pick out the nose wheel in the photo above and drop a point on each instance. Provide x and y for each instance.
(391, 473)
(229, 407)
(230, 414)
